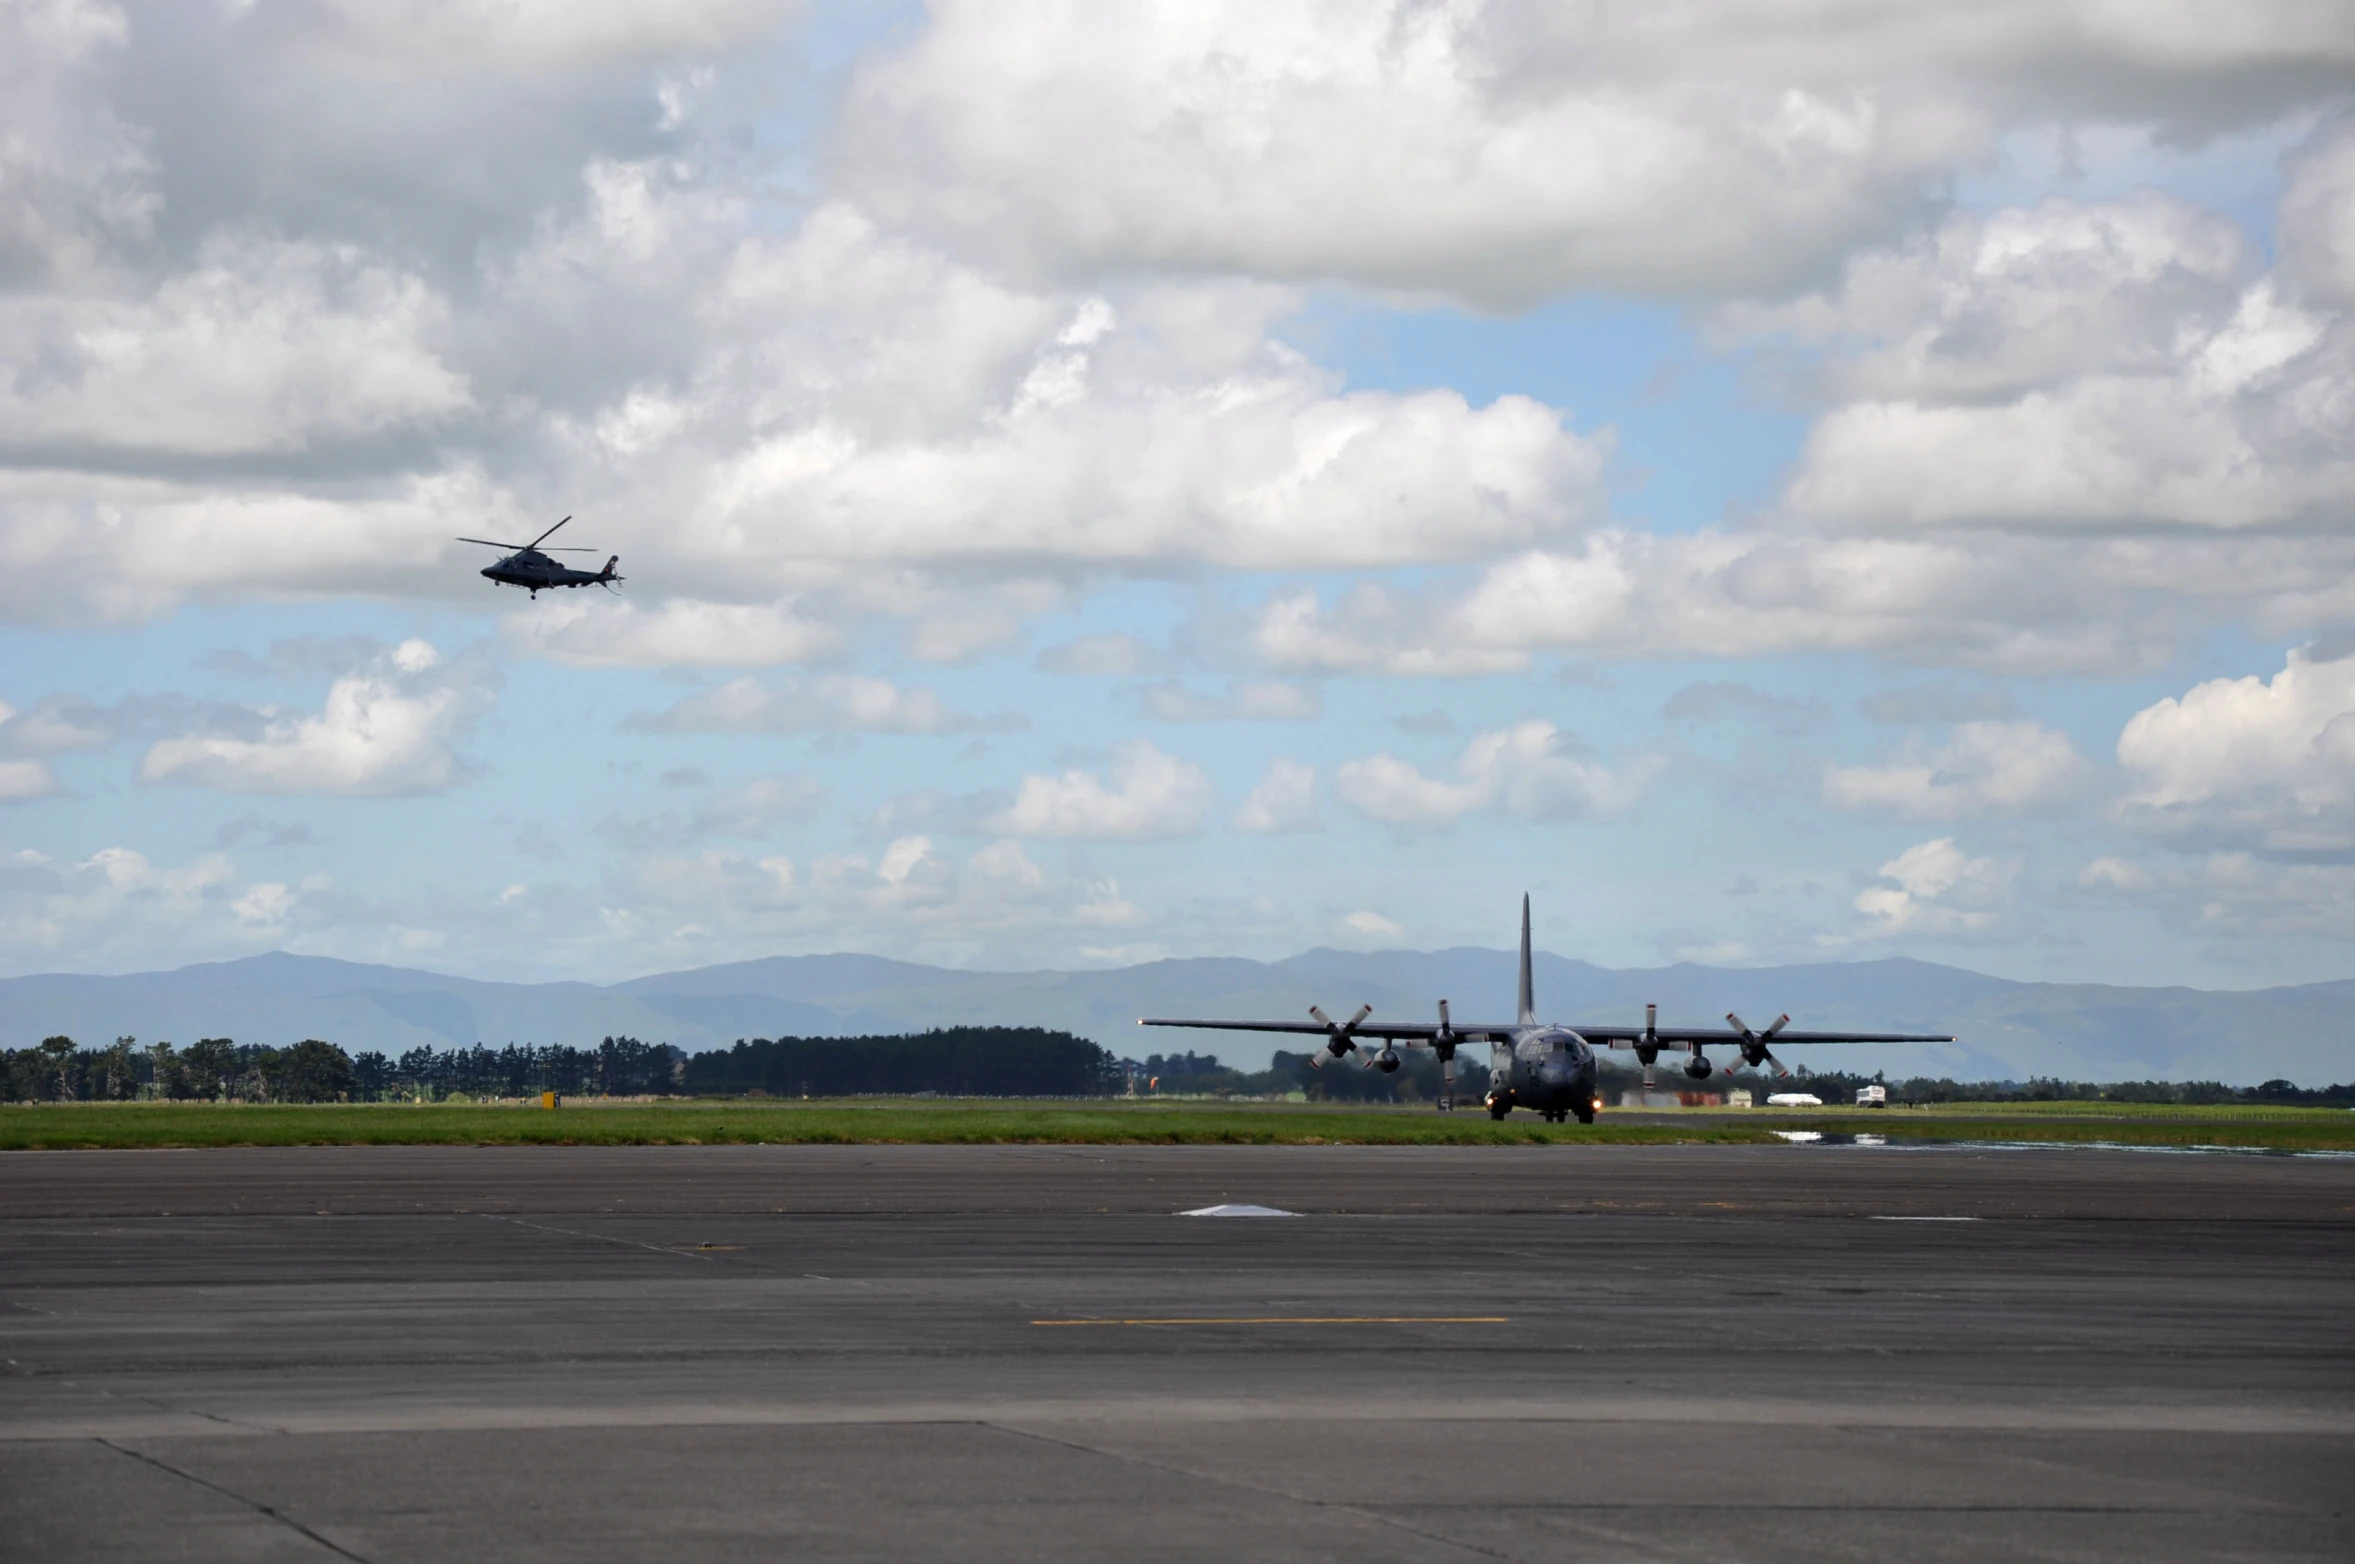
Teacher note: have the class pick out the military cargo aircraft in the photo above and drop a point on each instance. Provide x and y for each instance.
(530, 567)
(1534, 1064)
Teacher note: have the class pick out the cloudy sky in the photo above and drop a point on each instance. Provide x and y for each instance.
(1797, 481)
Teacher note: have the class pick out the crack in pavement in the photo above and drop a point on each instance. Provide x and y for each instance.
(1360, 1511)
(259, 1508)
(603, 1238)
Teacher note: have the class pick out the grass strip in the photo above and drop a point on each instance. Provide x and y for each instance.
(87, 1126)
(2312, 1135)
(75, 1126)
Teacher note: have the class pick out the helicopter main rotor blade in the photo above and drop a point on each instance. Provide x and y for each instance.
(551, 532)
(487, 543)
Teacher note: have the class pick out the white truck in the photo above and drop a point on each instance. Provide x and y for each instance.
(1872, 1096)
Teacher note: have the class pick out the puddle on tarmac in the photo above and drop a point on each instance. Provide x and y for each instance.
(1926, 1143)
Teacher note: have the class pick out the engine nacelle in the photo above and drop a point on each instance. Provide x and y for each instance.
(1698, 1068)
(1386, 1061)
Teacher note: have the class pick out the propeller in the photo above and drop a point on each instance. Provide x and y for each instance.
(534, 543)
(1443, 1043)
(1339, 1038)
(1648, 1050)
(1755, 1051)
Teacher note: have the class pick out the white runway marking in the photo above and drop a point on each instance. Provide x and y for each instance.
(1238, 1211)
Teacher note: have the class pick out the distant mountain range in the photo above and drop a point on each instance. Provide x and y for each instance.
(2008, 1030)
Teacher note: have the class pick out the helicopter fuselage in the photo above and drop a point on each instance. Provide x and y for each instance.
(533, 570)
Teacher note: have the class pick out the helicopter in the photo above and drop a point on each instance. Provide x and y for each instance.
(530, 567)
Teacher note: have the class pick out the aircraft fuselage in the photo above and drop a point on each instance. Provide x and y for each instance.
(1547, 1069)
(535, 571)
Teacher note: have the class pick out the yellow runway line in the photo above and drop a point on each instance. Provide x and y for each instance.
(1305, 1319)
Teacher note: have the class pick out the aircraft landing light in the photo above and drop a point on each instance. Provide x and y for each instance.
(1306, 1319)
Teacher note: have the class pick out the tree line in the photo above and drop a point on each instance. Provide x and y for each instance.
(220, 1069)
(950, 1061)
(957, 1061)
(211, 1069)
(1925, 1090)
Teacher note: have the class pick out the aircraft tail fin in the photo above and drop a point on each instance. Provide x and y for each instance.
(609, 564)
(1528, 988)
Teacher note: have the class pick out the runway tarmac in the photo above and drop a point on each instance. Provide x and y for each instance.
(980, 1353)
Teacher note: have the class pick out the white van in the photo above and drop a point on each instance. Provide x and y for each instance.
(1872, 1096)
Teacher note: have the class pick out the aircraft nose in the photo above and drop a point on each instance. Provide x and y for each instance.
(487, 569)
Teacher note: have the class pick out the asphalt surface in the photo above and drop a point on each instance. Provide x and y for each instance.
(977, 1353)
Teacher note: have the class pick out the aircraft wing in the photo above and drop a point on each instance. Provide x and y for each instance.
(1406, 1033)
(1414, 1034)
(1718, 1036)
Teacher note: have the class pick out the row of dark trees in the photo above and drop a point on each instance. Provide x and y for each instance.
(1417, 1078)
(1925, 1090)
(957, 1061)
(616, 1067)
(219, 1069)
(213, 1069)
(952, 1061)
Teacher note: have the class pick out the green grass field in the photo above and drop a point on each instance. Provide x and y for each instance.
(71, 1126)
(79, 1125)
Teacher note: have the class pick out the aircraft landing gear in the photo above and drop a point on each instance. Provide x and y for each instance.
(1586, 1115)
(1497, 1110)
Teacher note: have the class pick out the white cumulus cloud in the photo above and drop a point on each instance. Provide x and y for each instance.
(837, 703)
(2266, 765)
(1113, 653)
(25, 779)
(1522, 770)
(385, 729)
(1151, 795)
(2317, 232)
(262, 346)
(675, 633)
(1933, 890)
(1986, 768)
(1285, 800)
(117, 910)
(540, 34)
(1504, 150)
(1265, 701)
(759, 806)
